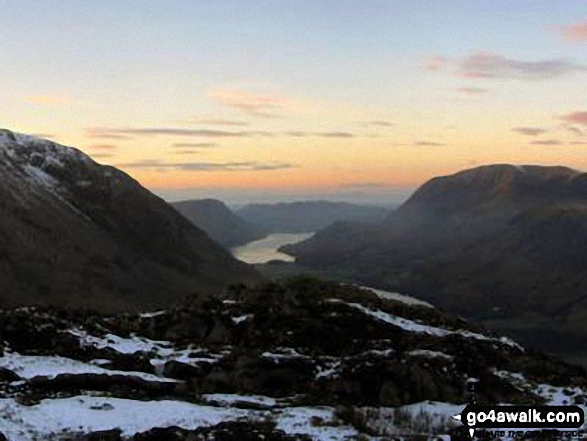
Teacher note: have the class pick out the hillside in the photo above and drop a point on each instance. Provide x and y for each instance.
(308, 216)
(493, 243)
(76, 233)
(303, 360)
(221, 223)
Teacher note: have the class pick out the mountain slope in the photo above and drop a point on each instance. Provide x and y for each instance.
(495, 242)
(302, 360)
(73, 232)
(308, 216)
(221, 224)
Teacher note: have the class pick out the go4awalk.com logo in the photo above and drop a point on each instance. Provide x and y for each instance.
(476, 416)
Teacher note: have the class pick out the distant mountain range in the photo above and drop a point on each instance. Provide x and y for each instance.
(499, 243)
(219, 221)
(76, 233)
(308, 216)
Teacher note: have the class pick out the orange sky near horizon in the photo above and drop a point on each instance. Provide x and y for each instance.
(337, 99)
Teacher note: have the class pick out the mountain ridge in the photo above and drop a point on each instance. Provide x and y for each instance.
(220, 222)
(75, 232)
(469, 240)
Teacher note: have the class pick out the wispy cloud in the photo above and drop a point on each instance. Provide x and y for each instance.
(99, 133)
(575, 130)
(167, 131)
(220, 122)
(102, 155)
(575, 118)
(429, 144)
(575, 33)
(252, 104)
(335, 134)
(297, 134)
(187, 152)
(207, 166)
(579, 143)
(377, 123)
(195, 145)
(472, 90)
(363, 185)
(530, 131)
(103, 147)
(490, 65)
(48, 100)
(44, 135)
(435, 62)
(546, 142)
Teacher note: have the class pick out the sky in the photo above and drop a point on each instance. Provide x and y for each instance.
(298, 99)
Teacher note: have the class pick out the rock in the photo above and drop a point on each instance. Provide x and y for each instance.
(181, 371)
(8, 376)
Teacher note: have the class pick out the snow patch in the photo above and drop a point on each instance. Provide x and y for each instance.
(30, 366)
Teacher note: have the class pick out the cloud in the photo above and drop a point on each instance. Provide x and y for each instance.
(335, 134)
(44, 135)
(575, 33)
(363, 185)
(575, 118)
(377, 123)
(186, 152)
(207, 166)
(546, 142)
(252, 104)
(222, 122)
(196, 145)
(575, 130)
(435, 62)
(102, 155)
(48, 100)
(530, 131)
(168, 131)
(490, 65)
(297, 134)
(429, 144)
(472, 90)
(98, 133)
(103, 147)
(579, 143)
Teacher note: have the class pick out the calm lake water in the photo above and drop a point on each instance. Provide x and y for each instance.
(264, 250)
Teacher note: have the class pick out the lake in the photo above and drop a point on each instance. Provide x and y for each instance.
(264, 250)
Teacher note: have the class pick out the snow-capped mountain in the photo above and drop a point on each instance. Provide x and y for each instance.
(77, 233)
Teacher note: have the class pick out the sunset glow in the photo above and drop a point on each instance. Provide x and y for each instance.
(338, 99)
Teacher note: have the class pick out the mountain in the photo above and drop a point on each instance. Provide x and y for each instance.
(499, 243)
(73, 232)
(308, 216)
(301, 360)
(221, 224)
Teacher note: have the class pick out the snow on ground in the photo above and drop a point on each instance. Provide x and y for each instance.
(298, 420)
(282, 353)
(241, 318)
(430, 354)
(397, 296)
(83, 413)
(128, 345)
(191, 356)
(30, 366)
(88, 414)
(152, 314)
(412, 326)
(331, 370)
(231, 399)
